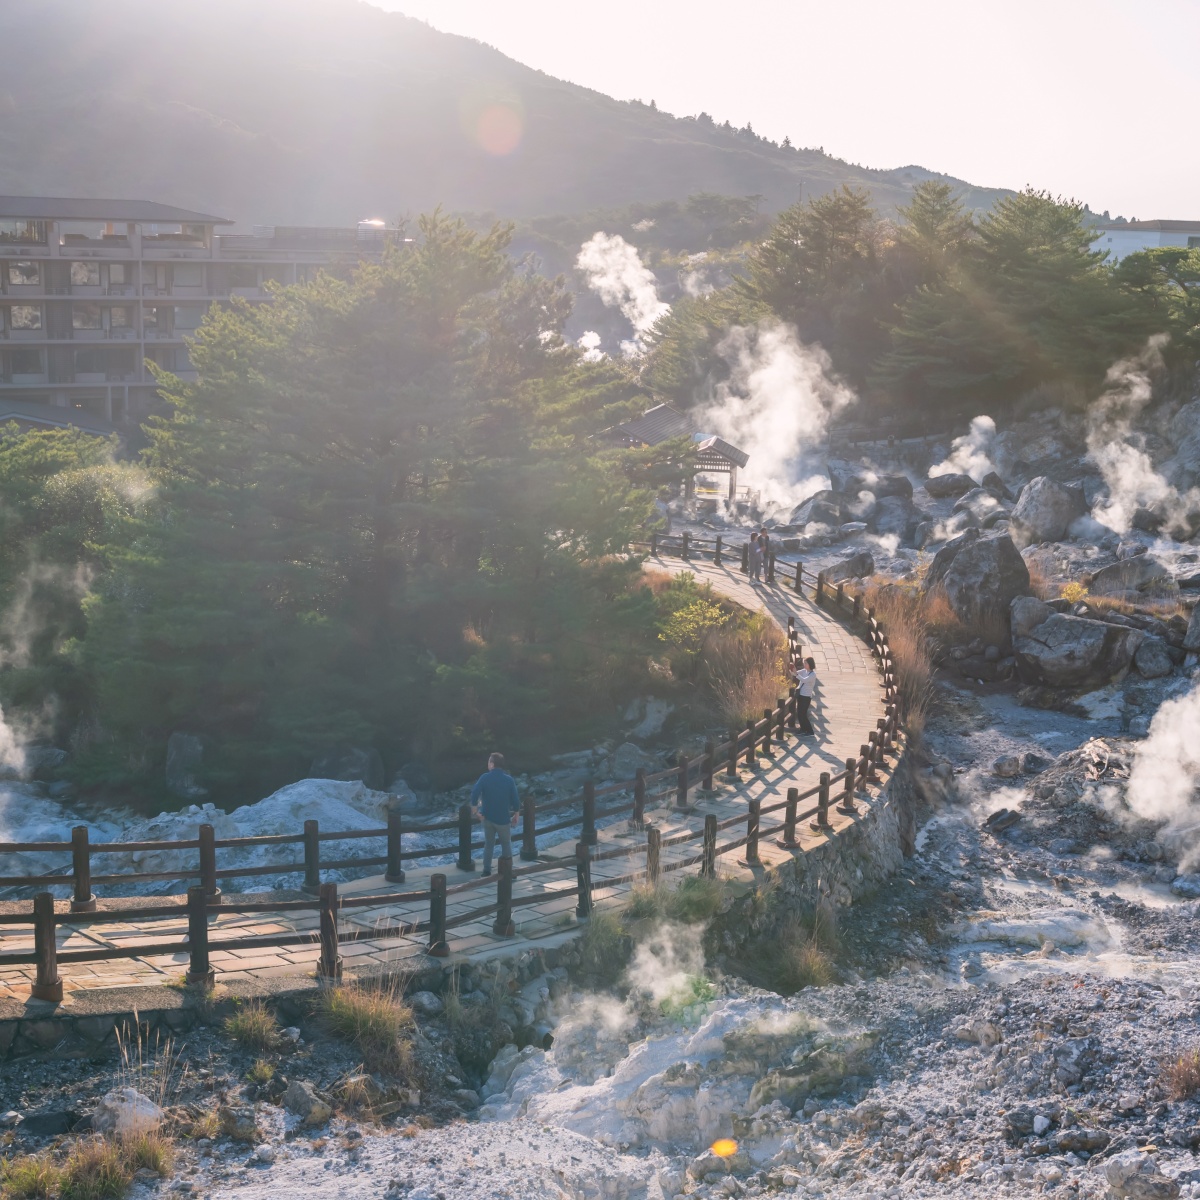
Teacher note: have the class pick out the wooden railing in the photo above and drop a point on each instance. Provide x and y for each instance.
(744, 746)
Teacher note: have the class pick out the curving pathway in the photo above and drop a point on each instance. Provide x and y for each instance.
(849, 700)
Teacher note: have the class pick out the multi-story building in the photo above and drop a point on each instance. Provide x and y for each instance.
(1131, 236)
(92, 290)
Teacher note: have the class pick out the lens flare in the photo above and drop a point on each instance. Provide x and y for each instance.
(724, 1147)
(498, 129)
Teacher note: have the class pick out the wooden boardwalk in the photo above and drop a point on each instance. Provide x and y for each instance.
(849, 701)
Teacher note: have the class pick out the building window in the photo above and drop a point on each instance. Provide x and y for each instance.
(25, 316)
(188, 318)
(188, 275)
(30, 233)
(25, 362)
(90, 362)
(24, 273)
(118, 273)
(120, 316)
(243, 275)
(85, 274)
(150, 317)
(85, 316)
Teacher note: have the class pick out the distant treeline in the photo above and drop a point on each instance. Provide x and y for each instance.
(941, 309)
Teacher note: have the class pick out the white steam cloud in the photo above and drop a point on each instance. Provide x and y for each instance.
(589, 343)
(970, 454)
(616, 273)
(12, 752)
(776, 406)
(1164, 781)
(1119, 452)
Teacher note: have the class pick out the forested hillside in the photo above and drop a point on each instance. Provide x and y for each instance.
(328, 111)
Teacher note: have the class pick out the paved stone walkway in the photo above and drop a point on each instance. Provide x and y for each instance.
(849, 700)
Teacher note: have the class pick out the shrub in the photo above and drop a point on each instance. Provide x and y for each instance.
(743, 669)
(374, 1018)
(603, 945)
(695, 899)
(261, 1072)
(694, 991)
(253, 1026)
(95, 1170)
(1073, 592)
(1181, 1075)
(29, 1177)
(151, 1151)
(801, 955)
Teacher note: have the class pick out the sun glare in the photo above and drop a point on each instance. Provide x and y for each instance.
(498, 129)
(724, 1147)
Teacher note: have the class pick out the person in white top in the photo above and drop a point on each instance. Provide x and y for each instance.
(806, 681)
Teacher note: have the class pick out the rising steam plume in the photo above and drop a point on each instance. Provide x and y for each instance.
(776, 405)
(970, 454)
(616, 273)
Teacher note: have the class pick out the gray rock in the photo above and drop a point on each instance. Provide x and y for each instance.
(41, 761)
(996, 486)
(941, 487)
(897, 516)
(126, 1112)
(185, 754)
(1044, 511)
(426, 1003)
(1132, 577)
(1134, 1175)
(1152, 659)
(857, 566)
(1130, 549)
(981, 505)
(1027, 613)
(1191, 639)
(239, 1122)
(822, 509)
(981, 575)
(351, 763)
(301, 1098)
(1187, 886)
(1007, 766)
(466, 1099)
(10, 1119)
(1073, 652)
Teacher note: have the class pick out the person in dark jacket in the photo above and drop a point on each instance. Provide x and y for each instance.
(496, 803)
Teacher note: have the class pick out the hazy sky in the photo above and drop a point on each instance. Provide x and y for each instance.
(1094, 99)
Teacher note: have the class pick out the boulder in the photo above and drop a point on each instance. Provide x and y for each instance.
(897, 516)
(185, 753)
(1071, 652)
(1183, 469)
(981, 574)
(1134, 1175)
(997, 486)
(627, 758)
(239, 1122)
(1026, 613)
(857, 566)
(1044, 511)
(351, 764)
(822, 509)
(941, 487)
(1152, 658)
(301, 1098)
(428, 1004)
(880, 485)
(125, 1112)
(1133, 577)
(981, 505)
(1191, 639)
(42, 761)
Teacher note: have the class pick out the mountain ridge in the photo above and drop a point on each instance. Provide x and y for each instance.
(329, 111)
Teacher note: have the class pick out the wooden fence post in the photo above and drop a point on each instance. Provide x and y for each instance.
(200, 972)
(504, 926)
(847, 804)
(708, 864)
(841, 596)
(654, 543)
(768, 721)
(770, 566)
(465, 821)
(639, 799)
(752, 823)
(717, 552)
(710, 753)
(46, 985)
(681, 782)
(437, 947)
(745, 558)
(329, 966)
(81, 871)
(864, 766)
(312, 858)
(687, 541)
(208, 864)
(789, 820)
(822, 821)
(858, 606)
(791, 708)
(395, 864)
(731, 765)
(881, 738)
(751, 743)
(588, 833)
(799, 578)
(820, 592)
(872, 749)
(529, 850)
(780, 717)
(653, 855)
(583, 881)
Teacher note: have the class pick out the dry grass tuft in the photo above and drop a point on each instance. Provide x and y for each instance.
(253, 1026)
(374, 1018)
(150, 1151)
(96, 1169)
(1181, 1075)
(29, 1177)
(801, 955)
(908, 619)
(262, 1071)
(744, 669)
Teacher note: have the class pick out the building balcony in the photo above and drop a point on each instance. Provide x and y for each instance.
(24, 335)
(91, 376)
(21, 379)
(120, 289)
(88, 335)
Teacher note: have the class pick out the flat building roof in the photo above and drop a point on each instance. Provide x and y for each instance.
(64, 208)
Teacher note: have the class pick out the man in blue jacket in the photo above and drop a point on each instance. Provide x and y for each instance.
(496, 803)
